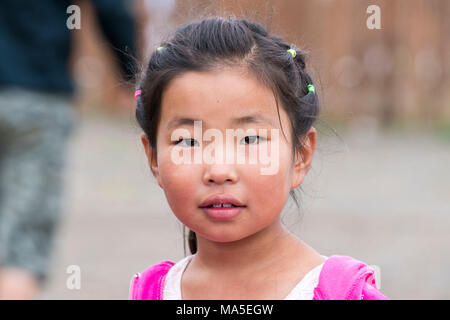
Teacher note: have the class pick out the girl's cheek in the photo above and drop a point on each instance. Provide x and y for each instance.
(179, 183)
(177, 177)
(179, 173)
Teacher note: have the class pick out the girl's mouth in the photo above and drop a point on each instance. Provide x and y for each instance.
(223, 200)
(222, 207)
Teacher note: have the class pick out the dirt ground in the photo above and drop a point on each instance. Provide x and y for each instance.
(381, 198)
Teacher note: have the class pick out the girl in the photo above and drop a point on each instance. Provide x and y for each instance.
(230, 75)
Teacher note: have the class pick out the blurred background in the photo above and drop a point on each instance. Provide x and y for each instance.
(379, 188)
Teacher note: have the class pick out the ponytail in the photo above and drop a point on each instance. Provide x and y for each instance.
(192, 241)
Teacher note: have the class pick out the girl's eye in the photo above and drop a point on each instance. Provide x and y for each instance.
(252, 139)
(187, 142)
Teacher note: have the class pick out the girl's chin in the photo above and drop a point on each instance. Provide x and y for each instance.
(229, 233)
(221, 238)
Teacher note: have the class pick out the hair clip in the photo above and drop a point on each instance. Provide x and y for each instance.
(160, 48)
(137, 93)
(292, 52)
(311, 88)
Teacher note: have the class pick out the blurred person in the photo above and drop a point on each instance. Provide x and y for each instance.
(36, 120)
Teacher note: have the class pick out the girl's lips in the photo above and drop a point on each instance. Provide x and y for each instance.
(222, 213)
(221, 199)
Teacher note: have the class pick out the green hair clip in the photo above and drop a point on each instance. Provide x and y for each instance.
(293, 52)
(311, 88)
(160, 48)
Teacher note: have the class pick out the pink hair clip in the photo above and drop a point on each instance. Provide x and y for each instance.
(137, 93)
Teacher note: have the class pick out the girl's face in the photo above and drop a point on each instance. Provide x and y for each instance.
(218, 99)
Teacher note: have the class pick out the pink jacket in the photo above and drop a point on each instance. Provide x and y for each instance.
(341, 278)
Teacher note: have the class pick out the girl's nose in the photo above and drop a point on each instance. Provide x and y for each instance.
(220, 174)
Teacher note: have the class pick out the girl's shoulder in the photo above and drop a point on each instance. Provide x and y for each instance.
(346, 278)
(148, 284)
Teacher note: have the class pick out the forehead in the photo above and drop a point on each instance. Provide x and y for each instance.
(218, 98)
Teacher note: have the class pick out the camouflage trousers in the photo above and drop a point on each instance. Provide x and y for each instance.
(34, 132)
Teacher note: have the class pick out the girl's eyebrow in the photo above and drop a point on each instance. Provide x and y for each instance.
(255, 118)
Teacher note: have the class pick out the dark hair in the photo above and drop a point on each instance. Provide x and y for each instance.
(215, 42)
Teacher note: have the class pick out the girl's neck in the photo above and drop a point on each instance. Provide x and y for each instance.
(259, 251)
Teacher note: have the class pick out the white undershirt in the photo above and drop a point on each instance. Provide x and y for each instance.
(304, 290)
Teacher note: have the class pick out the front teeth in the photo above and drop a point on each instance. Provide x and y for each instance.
(223, 205)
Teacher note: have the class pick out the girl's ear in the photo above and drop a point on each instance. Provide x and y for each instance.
(151, 158)
(303, 158)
